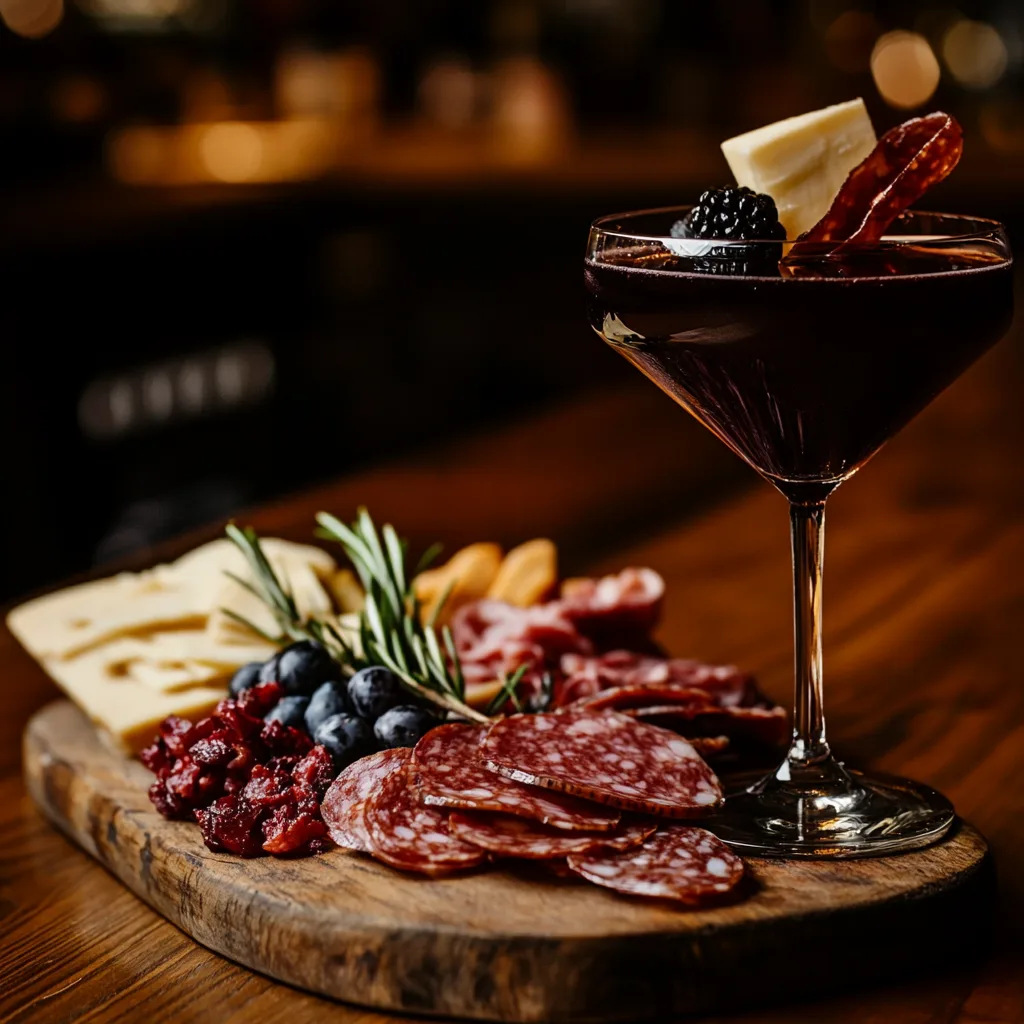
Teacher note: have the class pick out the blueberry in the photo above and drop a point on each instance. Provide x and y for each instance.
(246, 676)
(346, 737)
(331, 698)
(373, 691)
(268, 671)
(289, 711)
(302, 667)
(403, 726)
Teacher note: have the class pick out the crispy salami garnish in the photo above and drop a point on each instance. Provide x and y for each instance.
(509, 836)
(907, 161)
(689, 865)
(447, 771)
(609, 758)
(342, 807)
(408, 836)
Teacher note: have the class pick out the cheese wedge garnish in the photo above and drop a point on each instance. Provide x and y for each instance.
(802, 162)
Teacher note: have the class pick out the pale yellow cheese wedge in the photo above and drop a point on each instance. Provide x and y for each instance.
(174, 661)
(179, 596)
(125, 708)
(802, 162)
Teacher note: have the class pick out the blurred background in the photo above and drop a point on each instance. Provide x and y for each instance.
(248, 245)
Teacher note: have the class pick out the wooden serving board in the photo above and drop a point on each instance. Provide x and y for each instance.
(513, 945)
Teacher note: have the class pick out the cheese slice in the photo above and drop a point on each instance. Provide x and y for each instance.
(125, 708)
(803, 161)
(179, 596)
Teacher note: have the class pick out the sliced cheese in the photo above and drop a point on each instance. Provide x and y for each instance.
(174, 661)
(179, 596)
(127, 709)
(802, 162)
(311, 599)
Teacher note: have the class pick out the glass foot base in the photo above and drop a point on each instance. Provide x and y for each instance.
(864, 816)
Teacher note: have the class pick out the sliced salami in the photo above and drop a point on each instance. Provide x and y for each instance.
(623, 698)
(769, 726)
(342, 805)
(609, 758)
(447, 771)
(408, 836)
(689, 865)
(509, 836)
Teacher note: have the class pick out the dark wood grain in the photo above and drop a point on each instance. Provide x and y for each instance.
(924, 606)
(501, 944)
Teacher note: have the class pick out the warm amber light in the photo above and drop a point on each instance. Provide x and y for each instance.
(905, 69)
(32, 19)
(232, 152)
(975, 54)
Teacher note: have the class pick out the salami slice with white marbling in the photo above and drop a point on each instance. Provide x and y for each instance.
(408, 836)
(509, 836)
(689, 865)
(447, 771)
(342, 805)
(609, 758)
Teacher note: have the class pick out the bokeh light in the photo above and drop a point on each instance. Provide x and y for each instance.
(232, 152)
(975, 54)
(905, 69)
(32, 19)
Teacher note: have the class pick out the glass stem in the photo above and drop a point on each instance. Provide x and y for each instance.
(809, 745)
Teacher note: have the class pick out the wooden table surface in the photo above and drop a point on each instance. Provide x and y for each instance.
(924, 623)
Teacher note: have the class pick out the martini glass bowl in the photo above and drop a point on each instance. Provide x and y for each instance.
(805, 374)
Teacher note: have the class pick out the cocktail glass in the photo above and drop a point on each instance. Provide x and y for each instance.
(805, 377)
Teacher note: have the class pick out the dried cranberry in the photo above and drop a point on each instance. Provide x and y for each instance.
(267, 787)
(174, 731)
(283, 739)
(259, 699)
(231, 824)
(155, 757)
(315, 770)
(212, 751)
(290, 828)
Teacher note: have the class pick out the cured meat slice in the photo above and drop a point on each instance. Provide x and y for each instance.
(342, 805)
(494, 638)
(621, 605)
(585, 676)
(447, 771)
(768, 726)
(708, 746)
(509, 836)
(689, 865)
(624, 698)
(408, 836)
(609, 758)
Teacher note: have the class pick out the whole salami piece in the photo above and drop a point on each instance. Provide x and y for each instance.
(509, 836)
(447, 771)
(609, 758)
(689, 865)
(411, 837)
(342, 805)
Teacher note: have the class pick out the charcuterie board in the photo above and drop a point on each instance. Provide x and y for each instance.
(517, 945)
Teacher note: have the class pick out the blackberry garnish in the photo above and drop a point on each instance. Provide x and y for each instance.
(731, 213)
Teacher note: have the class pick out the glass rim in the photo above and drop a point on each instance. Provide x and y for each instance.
(985, 227)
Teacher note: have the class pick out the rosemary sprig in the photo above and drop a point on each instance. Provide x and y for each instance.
(277, 597)
(390, 629)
